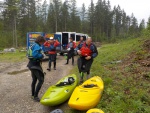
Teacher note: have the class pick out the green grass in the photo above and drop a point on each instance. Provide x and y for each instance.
(13, 57)
(125, 91)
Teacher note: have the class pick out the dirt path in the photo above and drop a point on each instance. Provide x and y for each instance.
(15, 91)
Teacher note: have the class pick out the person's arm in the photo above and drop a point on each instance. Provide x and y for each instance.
(46, 44)
(56, 43)
(77, 49)
(94, 51)
(74, 45)
(36, 52)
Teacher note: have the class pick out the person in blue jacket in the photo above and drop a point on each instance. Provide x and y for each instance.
(35, 67)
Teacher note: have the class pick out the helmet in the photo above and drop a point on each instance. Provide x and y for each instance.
(51, 38)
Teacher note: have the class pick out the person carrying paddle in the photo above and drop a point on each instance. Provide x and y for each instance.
(87, 52)
(70, 47)
(35, 67)
(52, 44)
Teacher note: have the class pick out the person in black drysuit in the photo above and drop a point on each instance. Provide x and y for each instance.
(35, 67)
(87, 52)
(70, 47)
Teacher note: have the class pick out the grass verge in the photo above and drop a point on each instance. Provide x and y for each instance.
(13, 57)
(126, 87)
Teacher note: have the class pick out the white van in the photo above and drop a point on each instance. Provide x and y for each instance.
(63, 38)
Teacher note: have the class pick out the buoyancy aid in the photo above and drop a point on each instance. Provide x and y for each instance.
(85, 50)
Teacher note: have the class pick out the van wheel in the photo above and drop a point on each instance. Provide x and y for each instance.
(61, 54)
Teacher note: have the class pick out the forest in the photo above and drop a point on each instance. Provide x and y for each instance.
(101, 21)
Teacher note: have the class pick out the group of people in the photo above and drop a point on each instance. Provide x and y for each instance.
(86, 50)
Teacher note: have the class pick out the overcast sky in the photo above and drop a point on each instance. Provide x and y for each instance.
(140, 8)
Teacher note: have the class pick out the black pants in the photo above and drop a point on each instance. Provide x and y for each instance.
(52, 58)
(70, 55)
(84, 65)
(72, 59)
(36, 75)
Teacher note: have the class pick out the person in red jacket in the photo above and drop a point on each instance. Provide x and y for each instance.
(87, 52)
(52, 44)
(70, 47)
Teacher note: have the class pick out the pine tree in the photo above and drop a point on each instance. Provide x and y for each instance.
(91, 17)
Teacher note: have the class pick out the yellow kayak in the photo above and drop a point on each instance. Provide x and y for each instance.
(95, 111)
(87, 95)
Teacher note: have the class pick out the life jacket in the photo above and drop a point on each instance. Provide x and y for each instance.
(52, 47)
(52, 51)
(74, 45)
(81, 42)
(85, 50)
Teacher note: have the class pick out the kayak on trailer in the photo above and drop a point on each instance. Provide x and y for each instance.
(87, 95)
(95, 110)
(60, 92)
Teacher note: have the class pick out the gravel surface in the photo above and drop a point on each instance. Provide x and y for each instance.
(15, 91)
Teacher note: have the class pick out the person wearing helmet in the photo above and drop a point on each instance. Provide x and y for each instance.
(51, 44)
(35, 67)
(70, 47)
(87, 52)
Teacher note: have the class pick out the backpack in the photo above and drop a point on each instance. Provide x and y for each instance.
(29, 52)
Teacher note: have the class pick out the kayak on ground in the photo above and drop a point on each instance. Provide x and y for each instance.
(87, 95)
(95, 110)
(60, 92)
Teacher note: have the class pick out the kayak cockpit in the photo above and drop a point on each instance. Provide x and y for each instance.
(67, 81)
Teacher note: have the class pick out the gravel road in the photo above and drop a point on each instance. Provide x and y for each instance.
(15, 83)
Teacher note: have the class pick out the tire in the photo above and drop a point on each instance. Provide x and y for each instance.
(61, 54)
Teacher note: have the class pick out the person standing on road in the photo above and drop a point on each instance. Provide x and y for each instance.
(70, 47)
(81, 41)
(87, 52)
(52, 44)
(35, 67)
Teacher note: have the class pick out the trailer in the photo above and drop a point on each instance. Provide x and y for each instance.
(31, 37)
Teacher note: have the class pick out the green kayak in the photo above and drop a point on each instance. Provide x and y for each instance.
(60, 92)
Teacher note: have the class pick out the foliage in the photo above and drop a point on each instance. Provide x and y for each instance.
(100, 21)
(126, 87)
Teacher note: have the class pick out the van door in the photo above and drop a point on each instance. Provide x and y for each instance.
(59, 38)
(65, 40)
(73, 36)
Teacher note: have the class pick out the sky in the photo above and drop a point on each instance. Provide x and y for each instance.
(140, 8)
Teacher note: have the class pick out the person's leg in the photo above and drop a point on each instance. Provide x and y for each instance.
(54, 65)
(40, 77)
(73, 60)
(81, 76)
(67, 59)
(49, 66)
(88, 75)
(49, 63)
(34, 80)
(55, 62)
